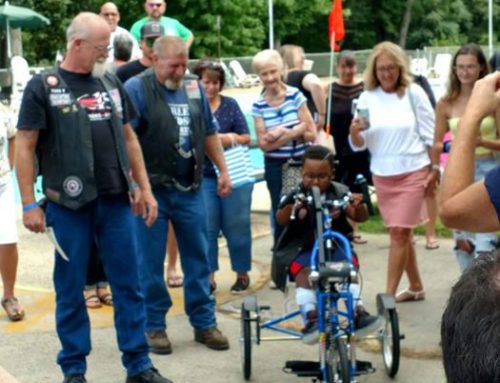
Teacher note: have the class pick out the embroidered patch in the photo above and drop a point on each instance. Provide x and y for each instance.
(62, 99)
(73, 186)
(52, 80)
(193, 89)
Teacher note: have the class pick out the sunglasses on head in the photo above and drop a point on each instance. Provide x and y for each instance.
(211, 65)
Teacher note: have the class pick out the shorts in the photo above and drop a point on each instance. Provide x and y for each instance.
(8, 231)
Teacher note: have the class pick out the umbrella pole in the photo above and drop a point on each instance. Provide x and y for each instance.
(7, 31)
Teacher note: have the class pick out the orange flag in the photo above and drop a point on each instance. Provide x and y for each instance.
(336, 24)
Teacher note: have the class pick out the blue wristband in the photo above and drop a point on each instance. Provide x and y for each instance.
(32, 205)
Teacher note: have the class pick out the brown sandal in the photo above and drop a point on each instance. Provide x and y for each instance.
(13, 309)
(106, 298)
(92, 301)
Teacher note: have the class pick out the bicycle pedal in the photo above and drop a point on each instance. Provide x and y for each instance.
(364, 367)
(303, 368)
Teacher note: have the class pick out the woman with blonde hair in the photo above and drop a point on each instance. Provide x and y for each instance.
(395, 122)
(305, 80)
(468, 65)
(283, 123)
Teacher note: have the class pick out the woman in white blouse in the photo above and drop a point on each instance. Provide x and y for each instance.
(395, 122)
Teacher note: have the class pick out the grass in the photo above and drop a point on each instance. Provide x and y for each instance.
(375, 225)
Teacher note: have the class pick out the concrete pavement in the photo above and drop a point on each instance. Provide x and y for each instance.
(28, 349)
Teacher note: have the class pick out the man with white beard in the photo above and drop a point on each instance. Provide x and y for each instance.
(176, 129)
(74, 122)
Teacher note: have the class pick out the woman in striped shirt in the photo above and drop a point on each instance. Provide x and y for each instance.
(283, 123)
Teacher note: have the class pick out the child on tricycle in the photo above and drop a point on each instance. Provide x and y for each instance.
(292, 252)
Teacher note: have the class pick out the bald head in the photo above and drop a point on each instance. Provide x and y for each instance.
(109, 11)
(84, 25)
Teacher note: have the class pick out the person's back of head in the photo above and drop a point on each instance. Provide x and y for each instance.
(470, 328)
(122, 47)
(495, 62)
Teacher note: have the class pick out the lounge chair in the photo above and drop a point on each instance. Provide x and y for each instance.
(242, 79)
(20, 77)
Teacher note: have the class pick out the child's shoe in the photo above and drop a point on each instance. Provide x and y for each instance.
(364, 323)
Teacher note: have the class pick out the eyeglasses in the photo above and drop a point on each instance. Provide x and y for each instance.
(466, 68)
(322, 177)
(387, 68)
(150, 41)
(99, 48)
(155, 5)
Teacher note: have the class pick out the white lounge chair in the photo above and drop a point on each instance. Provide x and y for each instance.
(442, 66)
(242, 79)
(20, 77)
(230, 81)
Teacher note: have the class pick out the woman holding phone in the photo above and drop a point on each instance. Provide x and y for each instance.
(395, 122)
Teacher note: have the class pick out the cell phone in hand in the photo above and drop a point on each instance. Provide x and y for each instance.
(365, 114)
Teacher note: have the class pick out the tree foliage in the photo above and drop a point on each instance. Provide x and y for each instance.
(244, 23)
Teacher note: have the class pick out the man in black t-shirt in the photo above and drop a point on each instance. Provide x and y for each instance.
(74, 120)
(149, 33)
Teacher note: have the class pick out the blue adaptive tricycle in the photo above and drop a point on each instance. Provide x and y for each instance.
(337, 336)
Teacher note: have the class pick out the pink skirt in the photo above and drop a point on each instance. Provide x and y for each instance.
(401, 198)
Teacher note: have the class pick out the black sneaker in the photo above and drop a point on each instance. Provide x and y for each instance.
(242, 283)
(149, 376)
(74, 379)
(310, 334)
(364, 323)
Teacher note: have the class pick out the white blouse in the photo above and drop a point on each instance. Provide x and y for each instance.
(397, 143)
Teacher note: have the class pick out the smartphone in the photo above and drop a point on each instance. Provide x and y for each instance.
(362, 112)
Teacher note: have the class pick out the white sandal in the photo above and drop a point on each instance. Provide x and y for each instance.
(410, 296)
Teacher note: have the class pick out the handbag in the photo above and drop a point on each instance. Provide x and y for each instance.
(238, 165)
(291, 173)
(326, 140)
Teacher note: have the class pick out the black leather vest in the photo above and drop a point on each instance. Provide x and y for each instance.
(65, 150)
(158, 132)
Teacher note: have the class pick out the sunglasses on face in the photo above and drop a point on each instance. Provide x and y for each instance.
(155, 5)
(150, 41)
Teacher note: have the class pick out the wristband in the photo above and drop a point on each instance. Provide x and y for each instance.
(436, 167)
(28, 207)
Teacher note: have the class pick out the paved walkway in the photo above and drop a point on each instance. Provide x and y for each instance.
(28, 349)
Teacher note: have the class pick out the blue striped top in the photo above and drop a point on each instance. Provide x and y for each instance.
(285, 115)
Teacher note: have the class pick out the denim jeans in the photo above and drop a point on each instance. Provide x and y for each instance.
(482, 241)
(230, 214)
(272, 175)
(187, 212)
(109, 220)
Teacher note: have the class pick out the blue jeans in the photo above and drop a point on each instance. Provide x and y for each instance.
(483, 242)
(186, 210)
(272, 175)
(108, 220)
(230, 214)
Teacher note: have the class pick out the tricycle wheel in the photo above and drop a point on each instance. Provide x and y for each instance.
(391, 342)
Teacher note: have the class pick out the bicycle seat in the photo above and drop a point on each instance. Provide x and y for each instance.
(336, 271)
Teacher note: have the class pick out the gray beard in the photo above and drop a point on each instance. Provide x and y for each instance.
(173, 85)
(99, 69)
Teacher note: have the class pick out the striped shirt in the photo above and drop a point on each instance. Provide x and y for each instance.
(285, 115)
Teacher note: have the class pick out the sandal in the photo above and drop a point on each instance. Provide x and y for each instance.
(359, 240)
(410, 296)
(432, 244)
(13, 309)
(92, 301)
(106, 298)
(175, 280)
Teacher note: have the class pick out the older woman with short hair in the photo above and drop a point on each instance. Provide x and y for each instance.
(398, 133)
(283, 123)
